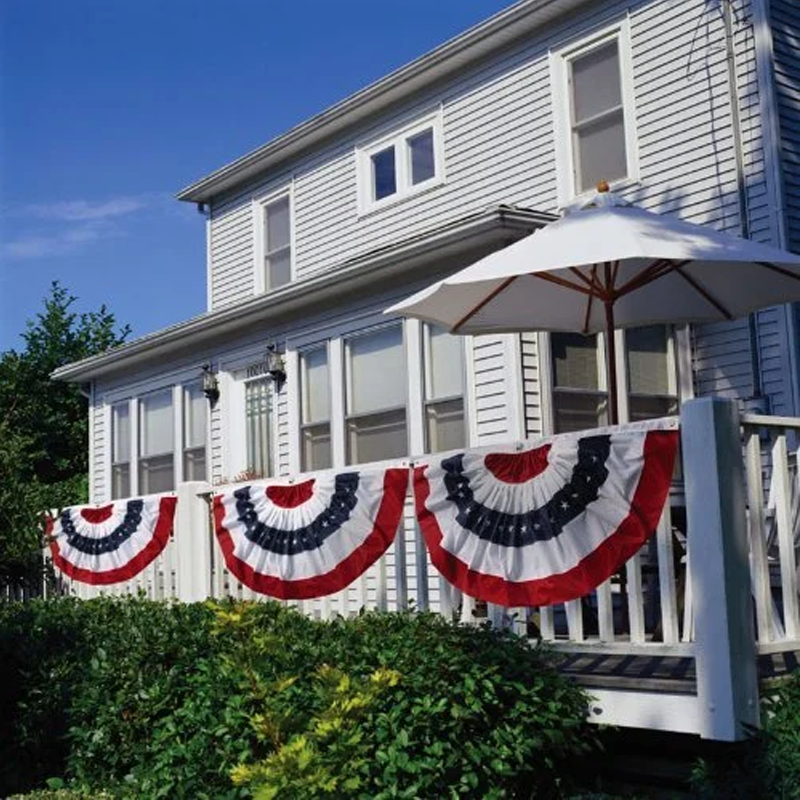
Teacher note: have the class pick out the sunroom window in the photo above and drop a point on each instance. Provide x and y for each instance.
(444, 390)
(315, 426)
(156, 443)
(580, 400)
(194, 433)
(376, 396)
(120, 450)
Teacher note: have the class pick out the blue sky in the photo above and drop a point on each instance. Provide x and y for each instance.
(109, 107)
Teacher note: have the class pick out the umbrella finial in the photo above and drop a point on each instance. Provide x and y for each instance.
(602, 186)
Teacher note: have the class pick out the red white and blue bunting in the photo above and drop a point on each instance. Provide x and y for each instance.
(296, 541)
(111, 543)
(549, 524)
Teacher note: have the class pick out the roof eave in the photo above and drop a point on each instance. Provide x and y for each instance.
(469, 47)
(362, 270)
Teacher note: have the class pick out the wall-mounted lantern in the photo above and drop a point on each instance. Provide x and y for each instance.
(275, 366)
(210, 384)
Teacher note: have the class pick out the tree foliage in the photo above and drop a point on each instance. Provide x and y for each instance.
(44, 425)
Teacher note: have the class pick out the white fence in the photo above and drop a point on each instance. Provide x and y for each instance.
(686, 594)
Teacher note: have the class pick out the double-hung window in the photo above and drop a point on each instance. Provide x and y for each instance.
(376, 396)
(594, 116)
(156, 442)
(120, 450)
(315, 425)
(401, 164)
(444, 390)
(194, 433)
(275, 243)
(580, 399)
(259, 424)
(652, 385)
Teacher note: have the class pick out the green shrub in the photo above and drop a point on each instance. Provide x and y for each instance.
(222, 700)
(768, 764)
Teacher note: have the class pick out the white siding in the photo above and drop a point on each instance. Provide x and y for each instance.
(98, 454)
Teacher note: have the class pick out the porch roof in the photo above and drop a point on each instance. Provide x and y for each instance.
(455, 55)
(388, 264)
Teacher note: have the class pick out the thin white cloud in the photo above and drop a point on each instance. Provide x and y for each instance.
(83, 210)
(36, 244)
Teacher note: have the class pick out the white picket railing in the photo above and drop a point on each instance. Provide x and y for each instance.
(742, 492)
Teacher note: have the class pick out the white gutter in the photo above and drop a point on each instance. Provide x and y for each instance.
(393, 260)
(520, 20)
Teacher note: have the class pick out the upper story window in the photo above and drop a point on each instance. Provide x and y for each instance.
(121, 450)
(444, 390)
(580, 396)
(315, 424)
(156, 443)
(274, 258)
(594, 113)
(376, 392)
(401, 164)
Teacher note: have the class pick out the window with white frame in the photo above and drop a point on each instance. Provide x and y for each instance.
(120, 450)
(315, 425)
(259, 424)
(652, 383)
(401, 164)
(156, 442)
(376, 396)
(580, 398)
(444, 390)
(194, 433)
(275, 243)
(594, 114)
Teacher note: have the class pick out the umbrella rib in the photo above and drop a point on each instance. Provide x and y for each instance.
(564, 282)
(656, 270)
(591, 297)
(780, 270)
(488, 299)
(704, 293)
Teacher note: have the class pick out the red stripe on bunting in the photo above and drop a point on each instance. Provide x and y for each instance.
(395, 485)
(163, 529)
(517, 467)
(660, 448)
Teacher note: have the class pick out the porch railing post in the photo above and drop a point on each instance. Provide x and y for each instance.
(725, 650)
(193, 542)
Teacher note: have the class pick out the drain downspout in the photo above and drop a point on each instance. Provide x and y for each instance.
(741, 187)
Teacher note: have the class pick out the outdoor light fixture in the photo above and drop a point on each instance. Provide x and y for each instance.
(275, 366)
(210, 384)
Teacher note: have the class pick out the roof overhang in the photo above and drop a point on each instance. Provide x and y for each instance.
(399, 263)
(455, 55)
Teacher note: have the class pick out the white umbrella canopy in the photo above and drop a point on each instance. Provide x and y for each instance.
(609, 265)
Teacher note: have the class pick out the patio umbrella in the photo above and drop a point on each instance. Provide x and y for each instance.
(605, 266)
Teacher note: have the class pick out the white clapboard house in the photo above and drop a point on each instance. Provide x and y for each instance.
(687, 107)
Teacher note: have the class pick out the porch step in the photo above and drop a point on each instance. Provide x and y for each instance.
(669, 674)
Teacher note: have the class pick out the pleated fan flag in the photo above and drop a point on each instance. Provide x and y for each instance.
(309, 539)
(110, 543)
(549, 524)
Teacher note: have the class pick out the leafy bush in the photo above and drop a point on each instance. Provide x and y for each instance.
(767, 765)
(223, 700)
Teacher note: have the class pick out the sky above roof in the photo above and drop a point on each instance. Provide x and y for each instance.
(107, 109)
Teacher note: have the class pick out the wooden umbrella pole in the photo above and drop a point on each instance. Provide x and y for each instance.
(611, 362)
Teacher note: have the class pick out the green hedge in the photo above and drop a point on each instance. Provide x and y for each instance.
(232, 700)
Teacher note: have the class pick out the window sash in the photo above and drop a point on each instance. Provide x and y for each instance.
(377, 436)
(315, 447)
(376, 371)
(277, 241)
(445, 425)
